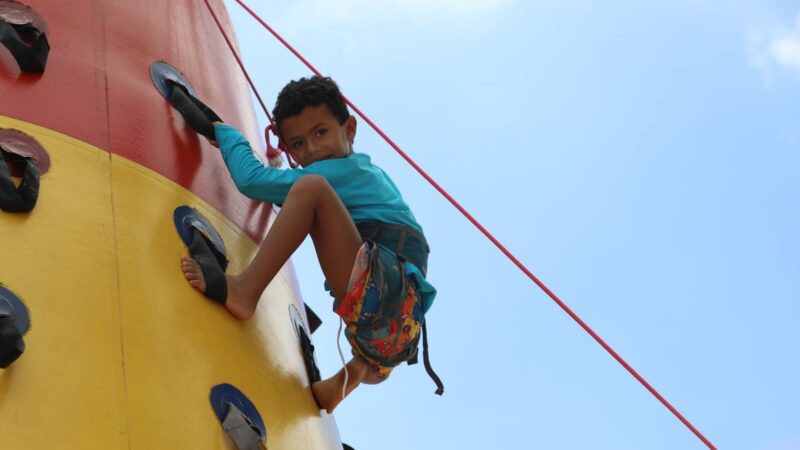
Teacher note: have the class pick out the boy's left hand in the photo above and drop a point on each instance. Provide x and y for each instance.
(212, 141)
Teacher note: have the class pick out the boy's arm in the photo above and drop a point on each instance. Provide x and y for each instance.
(251, 177)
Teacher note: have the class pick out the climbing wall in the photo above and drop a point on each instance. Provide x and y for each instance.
(121, 352)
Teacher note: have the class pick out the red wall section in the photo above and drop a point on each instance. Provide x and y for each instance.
(70, 95)
(97, 88)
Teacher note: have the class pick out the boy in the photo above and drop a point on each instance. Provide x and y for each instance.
(370, 247)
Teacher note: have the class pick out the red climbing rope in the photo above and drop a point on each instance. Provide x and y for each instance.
(272, 152)
(239, 61)
(480, 227)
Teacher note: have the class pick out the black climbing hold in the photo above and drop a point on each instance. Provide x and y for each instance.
(223, 396)
(206, 247)
(24, 33)
(214, 274)
(314, 321)
(174, 86)
(308, 356)
(199, 116)
(188, 219)
(162, 74)
(14, 323)
(20, 198)
(306, 347)
(15, 141)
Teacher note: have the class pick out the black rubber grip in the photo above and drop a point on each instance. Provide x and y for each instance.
(30, 53)
(199, 116)
(22, 198)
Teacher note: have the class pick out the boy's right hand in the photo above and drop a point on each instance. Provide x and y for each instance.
(212, 141)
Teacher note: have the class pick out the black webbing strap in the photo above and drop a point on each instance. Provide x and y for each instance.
(22, 198)
(241, 430)
(213, 272)
(427, 362)
(239, 417)
(30, 54)
(11, 344)
(308, 356)
(199, 116)
(15, 321)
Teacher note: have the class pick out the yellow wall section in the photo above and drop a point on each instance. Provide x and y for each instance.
(123, 352)
(66, 389)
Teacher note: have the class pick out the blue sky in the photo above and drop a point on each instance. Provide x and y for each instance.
(641, 158)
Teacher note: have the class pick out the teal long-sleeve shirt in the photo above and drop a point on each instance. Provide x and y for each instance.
(365, 189)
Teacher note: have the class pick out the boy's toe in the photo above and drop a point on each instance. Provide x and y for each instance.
(191, 275)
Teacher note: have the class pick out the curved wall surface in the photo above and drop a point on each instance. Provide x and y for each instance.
(122, 353)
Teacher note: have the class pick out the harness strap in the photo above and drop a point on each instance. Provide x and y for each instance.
(427, 362)
(404, 241)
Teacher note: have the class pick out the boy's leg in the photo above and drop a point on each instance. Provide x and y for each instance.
(329, 392)
(311, 208)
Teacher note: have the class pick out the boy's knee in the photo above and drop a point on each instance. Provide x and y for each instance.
(311, 185)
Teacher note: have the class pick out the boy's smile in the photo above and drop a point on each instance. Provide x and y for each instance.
(315, 134)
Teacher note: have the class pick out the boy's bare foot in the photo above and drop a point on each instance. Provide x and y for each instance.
(238, 305)
(328, 393)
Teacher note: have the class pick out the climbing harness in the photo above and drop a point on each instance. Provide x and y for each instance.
(477, 224)
(410, 246)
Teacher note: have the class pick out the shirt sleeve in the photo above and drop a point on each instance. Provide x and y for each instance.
(251, 177)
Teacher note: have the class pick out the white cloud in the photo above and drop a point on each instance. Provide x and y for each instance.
(785, 50)
(773, 50)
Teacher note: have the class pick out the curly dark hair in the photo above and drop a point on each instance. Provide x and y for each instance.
(313, 91)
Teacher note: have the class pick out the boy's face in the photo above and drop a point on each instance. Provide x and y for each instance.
(315, 134)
